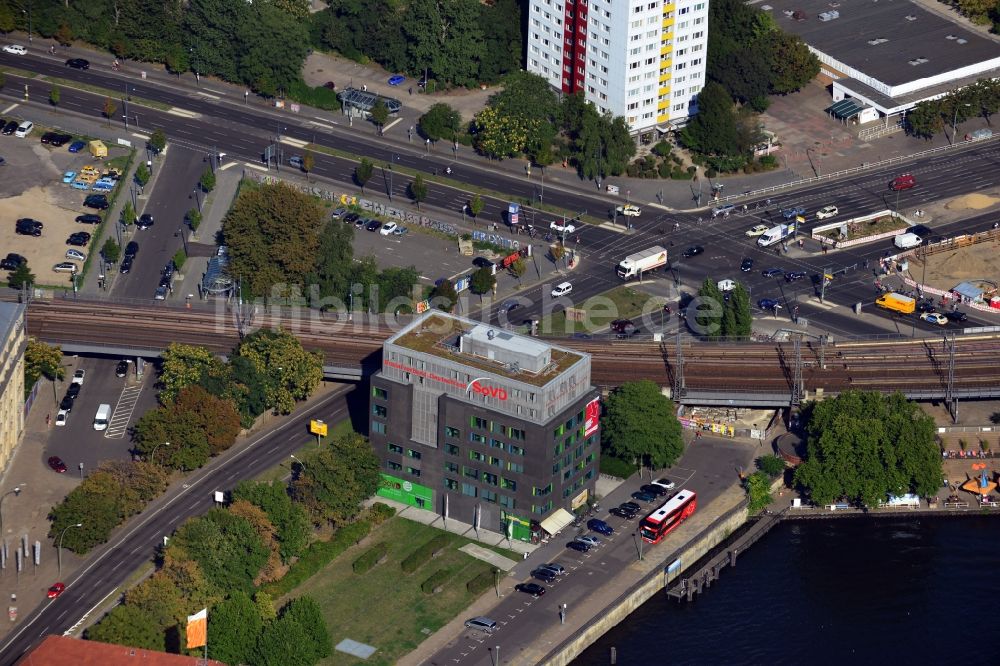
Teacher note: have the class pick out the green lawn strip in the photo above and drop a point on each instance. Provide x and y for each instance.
(555, 211)
(20, 72)
(385, 607)
(628, 303)
(284, 468)
(113, 94)
(879, 225)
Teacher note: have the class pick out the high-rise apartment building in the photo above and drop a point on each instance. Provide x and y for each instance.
(485, 426)
(13, 341)
(641, 59)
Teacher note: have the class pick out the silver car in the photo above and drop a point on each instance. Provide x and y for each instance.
(481, 623)
(588, 539)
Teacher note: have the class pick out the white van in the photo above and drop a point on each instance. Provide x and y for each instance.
(103, 416)
(907, 241)
(24, 129)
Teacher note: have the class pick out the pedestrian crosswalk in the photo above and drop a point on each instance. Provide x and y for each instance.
(118, 425)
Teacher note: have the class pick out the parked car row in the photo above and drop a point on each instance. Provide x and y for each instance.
(369, 224)
(66, 405)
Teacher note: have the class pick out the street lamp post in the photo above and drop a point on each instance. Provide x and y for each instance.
(954, 122)
(152, 456)
(28, 13)
(301, 464)
(15, 493)
(197, 198)
(184, 242)
(59, 548)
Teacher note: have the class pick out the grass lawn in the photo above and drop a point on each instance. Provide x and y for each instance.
(283, 469)
(385, 607)
(879, 225)
(618, 303)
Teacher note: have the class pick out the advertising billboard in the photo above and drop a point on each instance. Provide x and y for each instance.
(592, 417)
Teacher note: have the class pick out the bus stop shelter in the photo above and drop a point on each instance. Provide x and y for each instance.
(360, 102)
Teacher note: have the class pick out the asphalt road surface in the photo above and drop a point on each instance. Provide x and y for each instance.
(109, 566)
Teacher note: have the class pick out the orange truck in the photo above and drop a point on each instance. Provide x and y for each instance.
(897, 303)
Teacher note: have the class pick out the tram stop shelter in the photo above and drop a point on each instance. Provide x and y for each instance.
(216, 281)
(360, 102)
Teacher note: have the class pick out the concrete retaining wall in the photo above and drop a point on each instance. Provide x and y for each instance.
(734, 516)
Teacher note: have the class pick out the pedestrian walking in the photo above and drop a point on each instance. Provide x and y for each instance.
(48, 419)
(697, 434)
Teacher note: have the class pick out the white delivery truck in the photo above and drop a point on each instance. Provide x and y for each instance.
(776, 234)
(907, 241)
(102, 417)
(642, 262)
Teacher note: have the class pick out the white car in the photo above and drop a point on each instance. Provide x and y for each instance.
(629, 210)
(62, 417)
(758, 230)
(388, 228)
(16, 49)
(562, 289)
(588, 539)
(562, 228)
(826, 211)
(666, 484)
(726, 285)
(934, 318)
(75, 254)
(78, 376)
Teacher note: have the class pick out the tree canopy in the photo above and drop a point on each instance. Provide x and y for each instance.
(865, 446)
(640, 424)
(440, 122)
(335, 479)
(290, 372)
(40, 360)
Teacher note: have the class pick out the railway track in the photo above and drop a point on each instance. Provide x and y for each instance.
(753, 366)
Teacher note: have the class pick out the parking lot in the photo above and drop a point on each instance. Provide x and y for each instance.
(32, 187)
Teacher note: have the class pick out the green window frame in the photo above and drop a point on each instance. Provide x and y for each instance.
(380, 393)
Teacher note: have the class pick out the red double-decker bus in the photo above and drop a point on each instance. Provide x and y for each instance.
(658, 524)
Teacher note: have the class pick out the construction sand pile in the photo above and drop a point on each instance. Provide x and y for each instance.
(947, 269)
(973, 201)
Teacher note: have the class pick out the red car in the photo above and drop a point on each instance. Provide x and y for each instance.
(904, 182)
(56, 463)
(56, 590)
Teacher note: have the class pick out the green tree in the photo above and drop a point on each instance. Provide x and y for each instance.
(737, 321)
(865, 446)
(234, 629)
(709, 310)
(483, 281)
(226, 546)
(925, 119)
(363, 172)
(771, 465)
(713, 130)
(792, 64)
(336, 479)
(196, 424)
(379, 114)
(440, 122)
(128, 212)
(142, 175)
(640, 424)
(498, 135)
(7, 23)
(291, 373)
(443, 296)
(158, 140)
(42, 360)
(758, 486)
(271, 232)
(193, 219)
(284, 642)
(307, 613)
(532, 108)
(334, 259)
(111, 251)
(308, 163)
(288, 518)
(395, 286)
(265, 605)
(476, 205)
(418, 189)
(185, 365)
(207, 180)
(54, 96)
(109, 108)
(518, 268)
(20, 276)
(125, 625)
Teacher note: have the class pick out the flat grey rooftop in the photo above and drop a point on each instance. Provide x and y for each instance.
(910, 32)
(10, 313)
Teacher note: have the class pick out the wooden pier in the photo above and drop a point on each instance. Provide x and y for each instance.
(702, 578)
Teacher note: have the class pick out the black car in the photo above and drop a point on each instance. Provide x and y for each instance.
(351, 218)
(67, 404)
(747, 265)
(630, 505)
(88, 218)
(78, 63)
(956, 316)
(47, 137)
(59, 140)
(122, 368)
(28, 227)
(131, 249)
(482, 262)
(98, 201)
(9, 128)
(692, 251)
(545, 575)
(622, 325)
(73, 390)
(12, 261)
(792, 276)
(621, 512)
(126, 264)
(165, 281)
(145, 221)
(168, 270)
(772, 272)
(80, 239)
(579, 546)
(643, 496)
(926, 305)
(921, 230)
(534, 589)
(654, 489)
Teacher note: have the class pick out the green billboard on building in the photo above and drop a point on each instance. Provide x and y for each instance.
(406, 492)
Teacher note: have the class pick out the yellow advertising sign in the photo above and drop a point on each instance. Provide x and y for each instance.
(317, 427)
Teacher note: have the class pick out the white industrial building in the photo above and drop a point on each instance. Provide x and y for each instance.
(640, 59)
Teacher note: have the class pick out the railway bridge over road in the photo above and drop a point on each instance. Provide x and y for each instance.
(949, 367)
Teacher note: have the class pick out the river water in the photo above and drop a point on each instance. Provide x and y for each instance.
(846, 591)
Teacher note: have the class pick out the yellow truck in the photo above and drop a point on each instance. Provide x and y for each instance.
(896, 303)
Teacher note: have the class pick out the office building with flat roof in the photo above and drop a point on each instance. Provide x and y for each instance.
(485, 426)
(643, 60)
(14, 339)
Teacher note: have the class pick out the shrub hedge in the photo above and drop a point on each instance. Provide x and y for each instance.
(435, 581)
(379, 513)
(370, 558)
(317, 556)
(417, 558)
(480, 583)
